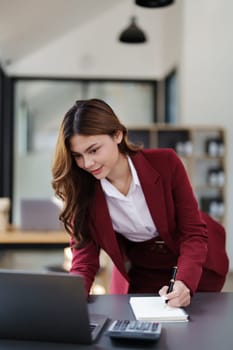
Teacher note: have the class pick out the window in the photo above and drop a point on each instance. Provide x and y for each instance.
(39, 108)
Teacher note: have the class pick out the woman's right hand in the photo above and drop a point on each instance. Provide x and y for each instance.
(180, 295)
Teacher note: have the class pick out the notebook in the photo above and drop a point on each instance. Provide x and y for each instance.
(49, 307)
(155, 309)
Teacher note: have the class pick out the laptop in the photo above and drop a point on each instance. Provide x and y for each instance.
(50, 307)
(40, 214)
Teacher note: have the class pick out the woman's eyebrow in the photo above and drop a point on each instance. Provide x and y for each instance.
(86, 150)
(75, 153)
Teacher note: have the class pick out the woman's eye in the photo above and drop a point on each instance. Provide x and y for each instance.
(93, 151)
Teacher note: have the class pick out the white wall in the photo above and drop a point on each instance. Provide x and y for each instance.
(207, 77)
(94, 51)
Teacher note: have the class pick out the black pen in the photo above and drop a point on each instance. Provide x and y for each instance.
(172, 280)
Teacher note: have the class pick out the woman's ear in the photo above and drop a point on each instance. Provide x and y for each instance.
(118, 136)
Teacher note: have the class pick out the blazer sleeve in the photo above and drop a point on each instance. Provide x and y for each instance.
(85, 262)
(191, 230)
(217, 258)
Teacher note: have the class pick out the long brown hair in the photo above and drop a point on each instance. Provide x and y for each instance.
(72, 184)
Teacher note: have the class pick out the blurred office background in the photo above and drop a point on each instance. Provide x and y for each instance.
(53, 52)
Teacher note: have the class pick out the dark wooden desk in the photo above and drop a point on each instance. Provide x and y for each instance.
(210, 326)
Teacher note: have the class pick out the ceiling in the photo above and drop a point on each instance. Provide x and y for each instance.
(27, 25)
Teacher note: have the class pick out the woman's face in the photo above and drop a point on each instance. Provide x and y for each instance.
(97, 154)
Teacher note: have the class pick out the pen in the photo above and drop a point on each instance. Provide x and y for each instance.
(172, 280)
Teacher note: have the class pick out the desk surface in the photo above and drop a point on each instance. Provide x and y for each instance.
(33, 237)
(210, 326)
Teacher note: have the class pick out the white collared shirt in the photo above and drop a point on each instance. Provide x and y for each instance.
(130, 214)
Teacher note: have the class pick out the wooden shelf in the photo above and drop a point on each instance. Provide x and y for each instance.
(204, 187)
(34, 237)
(204, 157)
(190, 143)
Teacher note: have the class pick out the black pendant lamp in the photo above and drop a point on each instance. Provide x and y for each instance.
(133, 34)
(153, 3)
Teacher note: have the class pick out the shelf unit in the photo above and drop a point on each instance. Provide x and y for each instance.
(202, 150)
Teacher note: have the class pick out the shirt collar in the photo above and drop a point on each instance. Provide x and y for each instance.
(134, 172)
(110, 190)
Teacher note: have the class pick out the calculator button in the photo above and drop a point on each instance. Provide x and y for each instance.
(154, 327)
(132, 325)
(139, 325)
(146, 326)
(124, 325)
(117, 325)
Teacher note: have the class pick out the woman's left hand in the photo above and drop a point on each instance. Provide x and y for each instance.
(180, 295)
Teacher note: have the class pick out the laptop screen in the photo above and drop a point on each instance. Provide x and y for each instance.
(46, 307)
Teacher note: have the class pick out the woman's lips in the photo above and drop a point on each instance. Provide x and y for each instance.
(97, 171)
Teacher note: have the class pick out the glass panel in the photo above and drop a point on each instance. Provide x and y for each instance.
(39, 108)
(171, 99)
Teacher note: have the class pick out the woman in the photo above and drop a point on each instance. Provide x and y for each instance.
(137, 205)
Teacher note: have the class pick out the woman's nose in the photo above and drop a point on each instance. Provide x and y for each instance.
(88, 162)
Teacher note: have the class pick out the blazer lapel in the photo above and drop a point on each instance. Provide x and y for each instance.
(104, 233)
(152, 186)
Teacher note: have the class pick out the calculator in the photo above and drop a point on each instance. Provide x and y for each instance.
(134, 329)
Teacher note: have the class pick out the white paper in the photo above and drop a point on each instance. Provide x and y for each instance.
(155, 309)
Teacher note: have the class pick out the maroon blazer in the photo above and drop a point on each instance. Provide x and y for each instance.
(198, 240)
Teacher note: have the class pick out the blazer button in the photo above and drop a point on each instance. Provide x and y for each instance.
(161, 247)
